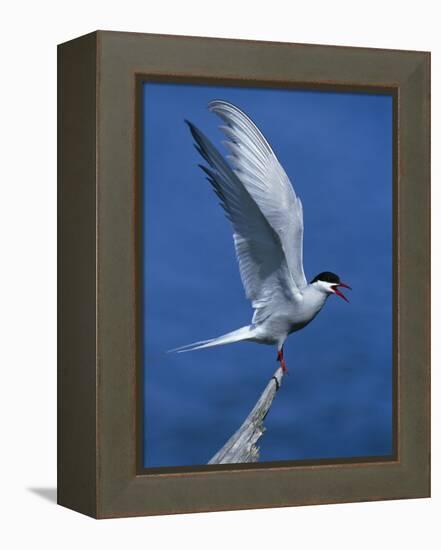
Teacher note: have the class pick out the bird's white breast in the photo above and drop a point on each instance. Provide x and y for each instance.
(305, 311)
(292, 315)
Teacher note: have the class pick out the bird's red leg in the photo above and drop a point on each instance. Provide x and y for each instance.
(281, 360)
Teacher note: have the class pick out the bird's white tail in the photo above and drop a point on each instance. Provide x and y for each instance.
(243, 333)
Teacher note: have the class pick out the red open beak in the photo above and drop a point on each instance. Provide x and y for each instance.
(335, 288)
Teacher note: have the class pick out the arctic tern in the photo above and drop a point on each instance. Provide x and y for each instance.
(267, 219)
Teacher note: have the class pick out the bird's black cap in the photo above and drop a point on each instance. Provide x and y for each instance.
(327, 277)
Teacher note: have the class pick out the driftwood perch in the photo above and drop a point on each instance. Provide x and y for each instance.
(242, 445)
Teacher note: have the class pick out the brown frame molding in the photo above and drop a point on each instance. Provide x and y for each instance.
(98, 464)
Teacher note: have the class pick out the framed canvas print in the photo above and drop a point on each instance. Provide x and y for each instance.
(244, 274)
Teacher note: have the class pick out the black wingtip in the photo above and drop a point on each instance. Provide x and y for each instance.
(195, 132)
(191, 126)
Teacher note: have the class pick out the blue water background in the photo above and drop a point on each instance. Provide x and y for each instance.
(337, 400)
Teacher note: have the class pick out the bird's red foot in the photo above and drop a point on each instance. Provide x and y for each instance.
(281, 360)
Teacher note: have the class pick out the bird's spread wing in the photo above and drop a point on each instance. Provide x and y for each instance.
(259, 170)
(262, 262)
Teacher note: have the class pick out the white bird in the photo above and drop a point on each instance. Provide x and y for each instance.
(267, 219)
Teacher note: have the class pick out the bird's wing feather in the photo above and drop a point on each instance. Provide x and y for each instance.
(259, 170)
(262, 262)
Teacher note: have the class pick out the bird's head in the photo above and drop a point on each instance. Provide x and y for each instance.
(330, 283)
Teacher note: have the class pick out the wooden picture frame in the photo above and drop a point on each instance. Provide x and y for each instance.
(99, 468)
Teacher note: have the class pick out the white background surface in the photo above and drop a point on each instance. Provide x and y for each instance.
(29, 34)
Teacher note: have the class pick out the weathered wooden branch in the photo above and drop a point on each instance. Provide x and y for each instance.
(242, 445)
